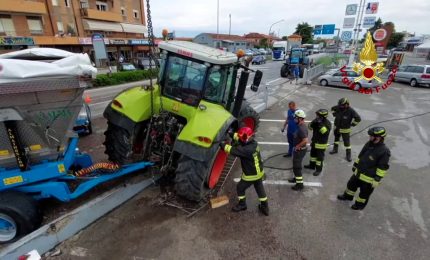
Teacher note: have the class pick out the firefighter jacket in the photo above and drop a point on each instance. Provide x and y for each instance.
(372, 162)
(321, 131)
(345, 118)
(250, 159)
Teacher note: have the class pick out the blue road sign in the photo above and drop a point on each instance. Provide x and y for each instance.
(346, 36)
(328, 29)
(318, 29)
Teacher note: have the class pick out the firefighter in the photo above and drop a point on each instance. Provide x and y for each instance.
(345, 117)
(321, 127)
(246, 148)
(369, 169)
(300, 142)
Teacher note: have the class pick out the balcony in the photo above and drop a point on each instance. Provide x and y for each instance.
(101, 15)
(22, 6)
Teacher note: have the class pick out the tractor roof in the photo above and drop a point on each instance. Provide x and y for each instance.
(199, 52)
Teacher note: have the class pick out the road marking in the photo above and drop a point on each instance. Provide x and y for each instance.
(281, 182)
(273, 143)
(283, 120)
(270, 82)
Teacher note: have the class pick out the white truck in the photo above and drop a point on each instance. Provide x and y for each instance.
(279, 51)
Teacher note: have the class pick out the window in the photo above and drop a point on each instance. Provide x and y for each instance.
(67, 3)
(215, 84)
(352, 74)
(402, 68)
(123, 11)
(60, 27)
(84, 4)
(35, 24)
(230, 85)
(428, 70)
(419, 69)
(135, 14)
(102, 6)
(6, 26)
(55, 2)
(184, 80)
(410, 69)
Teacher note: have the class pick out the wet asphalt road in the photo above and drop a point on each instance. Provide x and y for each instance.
(302, 225)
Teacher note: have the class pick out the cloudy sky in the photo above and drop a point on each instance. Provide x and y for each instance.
(190, 17)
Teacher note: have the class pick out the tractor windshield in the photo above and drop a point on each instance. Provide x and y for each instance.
(215, 85)
(297, 54)
(184, 80)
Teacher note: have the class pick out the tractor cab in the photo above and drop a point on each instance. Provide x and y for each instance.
(191, 72)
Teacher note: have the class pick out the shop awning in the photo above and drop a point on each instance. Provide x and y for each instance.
(134, 28)
(91, 25)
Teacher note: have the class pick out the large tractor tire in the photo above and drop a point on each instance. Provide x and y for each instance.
(285, 70)
(118, 144)
(19, 215)
(248, 117)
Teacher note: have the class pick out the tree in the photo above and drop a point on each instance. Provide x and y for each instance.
(395, 39)
(263, 43)
(376, 26)
(284, 38)
(304, 30)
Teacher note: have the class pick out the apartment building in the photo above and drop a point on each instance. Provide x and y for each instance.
(69, 25)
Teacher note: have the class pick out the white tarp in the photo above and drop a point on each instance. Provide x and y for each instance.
(13, 70)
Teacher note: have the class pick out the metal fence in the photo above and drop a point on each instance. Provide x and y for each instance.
(311, 73)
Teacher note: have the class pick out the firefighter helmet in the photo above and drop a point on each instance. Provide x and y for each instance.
(300, 113)
(322, 112)
(377, 131)
(343, 101)
(244, 134)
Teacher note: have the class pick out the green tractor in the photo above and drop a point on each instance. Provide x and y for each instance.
(180, 122)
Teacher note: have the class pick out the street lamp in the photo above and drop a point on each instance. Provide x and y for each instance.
(280, 21)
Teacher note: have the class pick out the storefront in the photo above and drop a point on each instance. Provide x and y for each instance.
(9, 43)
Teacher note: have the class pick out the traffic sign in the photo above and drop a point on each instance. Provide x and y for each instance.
(351, 9)
(346, 36)
(348, 23)
(372, 7)
(328, 29)
(380, 34)
(369, 21)
(318, 29)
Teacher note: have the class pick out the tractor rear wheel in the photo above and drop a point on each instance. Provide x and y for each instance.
(118, 143)
(19, 215)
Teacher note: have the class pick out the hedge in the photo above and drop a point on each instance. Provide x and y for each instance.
(123, 77)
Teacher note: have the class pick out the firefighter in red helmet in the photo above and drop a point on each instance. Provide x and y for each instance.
(246, 148)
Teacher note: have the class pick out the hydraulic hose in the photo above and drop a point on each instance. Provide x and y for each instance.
(103, 167)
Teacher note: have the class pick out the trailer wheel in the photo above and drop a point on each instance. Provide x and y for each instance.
(118, 144)
(248, 117)
(190, 180)
(19, 215)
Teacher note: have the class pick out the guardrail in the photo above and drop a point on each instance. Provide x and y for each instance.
(311, 73)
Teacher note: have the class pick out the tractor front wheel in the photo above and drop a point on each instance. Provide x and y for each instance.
(190, 178)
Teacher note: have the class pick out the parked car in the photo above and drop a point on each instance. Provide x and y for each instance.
(249, 52)
(145, 63)
(334, 78)
(83, 124)
(262, 51)
(415, 75)
(126, 67)
(259, 59)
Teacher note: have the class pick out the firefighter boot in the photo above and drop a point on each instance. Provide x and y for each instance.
(335, 147)
(298, 187)
(264, 208)
(311, 166)
(348, 155)
(292, 180)
(357, 207)
(344, 197)
(240, 206)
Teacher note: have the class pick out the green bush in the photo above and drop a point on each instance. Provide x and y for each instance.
(123, 77)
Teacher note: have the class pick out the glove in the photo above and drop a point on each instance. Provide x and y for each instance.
(375, 184)
(222, 145)
(282, 130)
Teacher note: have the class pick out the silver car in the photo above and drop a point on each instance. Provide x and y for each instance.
(334, 78)
(415, 75)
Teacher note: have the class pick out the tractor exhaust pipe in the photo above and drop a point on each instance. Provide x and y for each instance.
(243, 81)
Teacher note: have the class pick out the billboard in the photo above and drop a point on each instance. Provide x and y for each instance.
(348, 23)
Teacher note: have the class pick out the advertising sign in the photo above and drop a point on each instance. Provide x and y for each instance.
(369, 21)
(348, 23)
(16, 41)
(138, 42)
(372, 7)
(99, 46)
(351, 9)
(346, 36)
(380, 34)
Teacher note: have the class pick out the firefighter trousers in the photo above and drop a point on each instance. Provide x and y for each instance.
(345, 138)
(317, 157)
(243, 185)
(297, 164)
(366, 190)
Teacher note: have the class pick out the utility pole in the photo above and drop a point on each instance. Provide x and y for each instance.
(357, 30)
(229, 26)
(217, 18)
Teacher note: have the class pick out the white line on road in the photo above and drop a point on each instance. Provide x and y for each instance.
(281, 182)
(270, 82)
(273, 143)
(283, 120)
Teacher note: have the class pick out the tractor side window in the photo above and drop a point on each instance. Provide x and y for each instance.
(229, 85)
(215, 84)
(184, 80)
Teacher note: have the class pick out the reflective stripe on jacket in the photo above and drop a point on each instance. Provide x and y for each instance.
(345, 118)
(250, 159)
(372, 163)
(321, 132)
